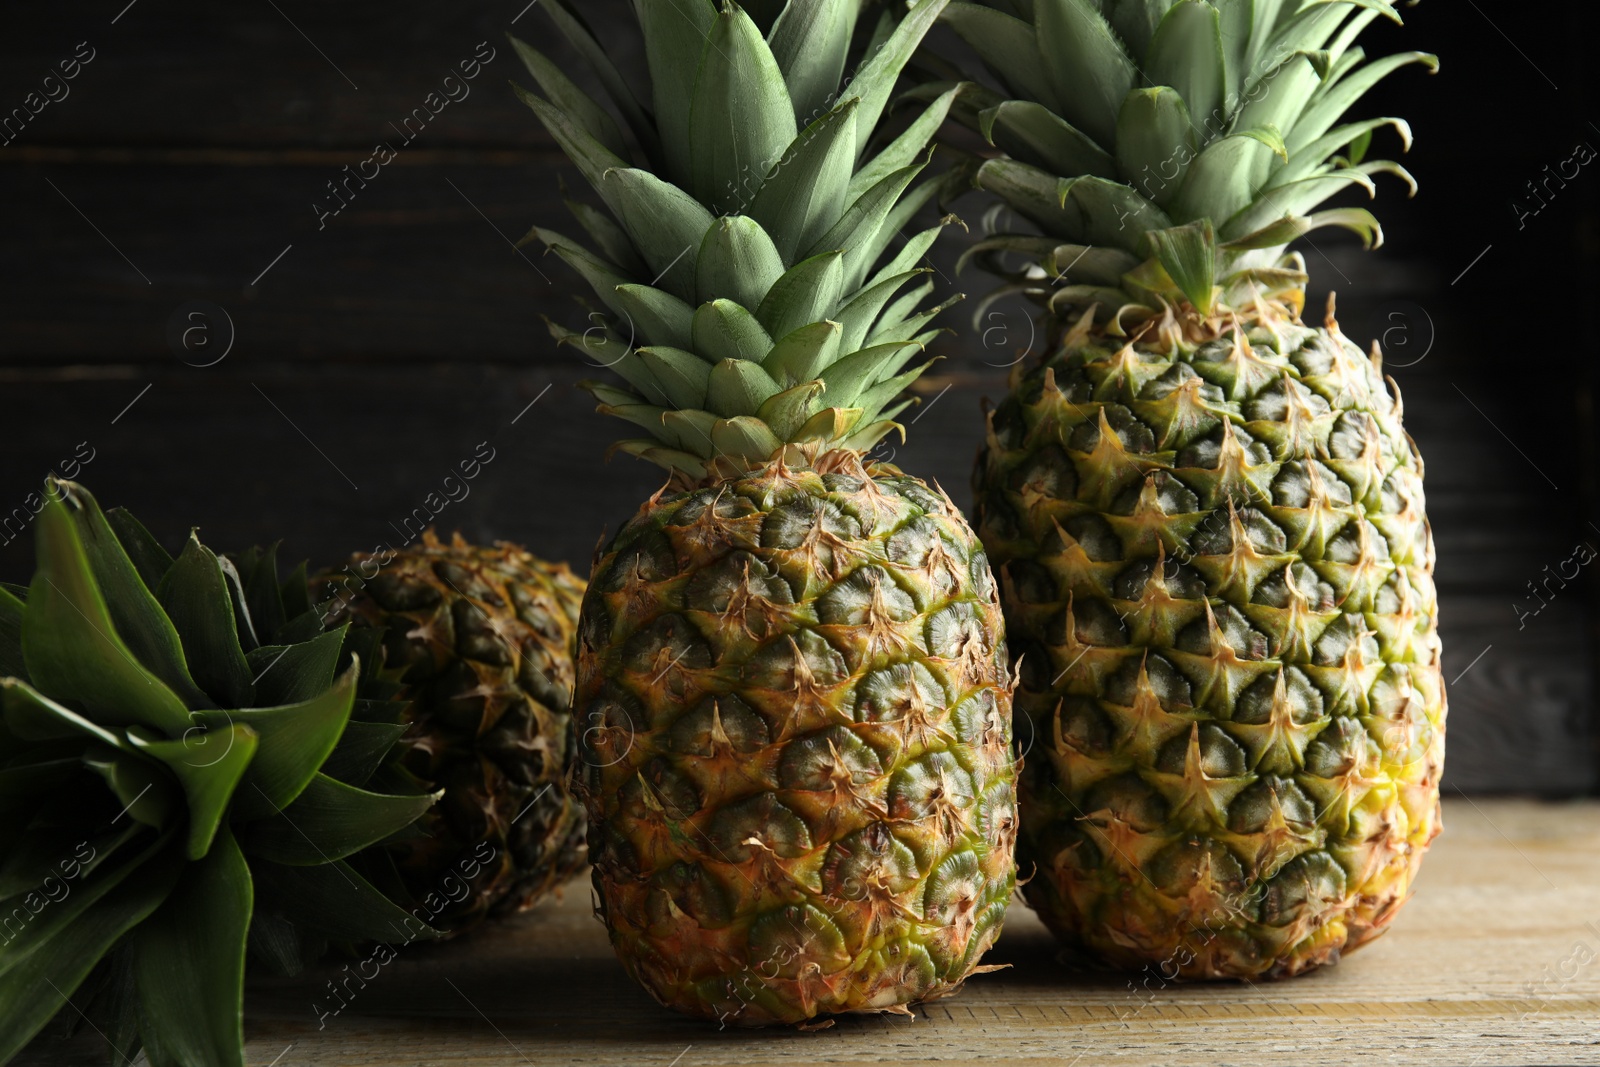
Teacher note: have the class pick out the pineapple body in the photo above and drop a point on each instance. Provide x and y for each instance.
(484, 637)
(792, 690)
(1216, 566)
(1217, 573)
(796, 743)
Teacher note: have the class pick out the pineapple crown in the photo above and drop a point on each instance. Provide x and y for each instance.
(744, 263)
(181, 777)
(1170, 150)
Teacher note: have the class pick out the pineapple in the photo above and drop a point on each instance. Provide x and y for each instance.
(484, 639)
(792, 690)
(175, 789)
(1207, 517)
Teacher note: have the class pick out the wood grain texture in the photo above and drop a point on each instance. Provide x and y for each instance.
(1495, 961)
(286, 74)
(188, 156)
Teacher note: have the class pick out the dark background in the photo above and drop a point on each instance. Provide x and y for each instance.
(373, 354)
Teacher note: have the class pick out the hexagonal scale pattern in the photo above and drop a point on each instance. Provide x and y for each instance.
(1217, 576)
(795, 715)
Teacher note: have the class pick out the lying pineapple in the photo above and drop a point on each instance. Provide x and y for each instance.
(483, 638)
(791, 681)
(1215, 562)
(186, 777)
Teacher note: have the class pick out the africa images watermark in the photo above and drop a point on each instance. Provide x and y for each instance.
(16, 522)
(1553, 979)
(453, 888)
(453, 489)
(1552, 181)
(52, 889)
(455, 90)
(1211, 127)
(1218, 920)
(1582, 555)
(53, 89)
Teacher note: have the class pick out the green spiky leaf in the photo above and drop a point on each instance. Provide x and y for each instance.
(810, 43)
(150, 559)
(675, 37)
(289, 674)
(874, 80)
(194, 594)
(804, 195)
(724, 330)
(666, 223)
(1189, 256)
(208, 765)
(329, 821)
(44, 967)
(336, 899)
(1187, 54)
(1091, 75)
(295, 740)
(803, 354)
(1034, 134)
(808, 292)
(583, 40)
(654, 317)
(741, 119)
(561, 92)
(1000, 38)
(1155, 143)
(70, 640)
(682, 374)
(737, 261)
(188, 963)
(141, 785)
(749, 227)
(738, 387)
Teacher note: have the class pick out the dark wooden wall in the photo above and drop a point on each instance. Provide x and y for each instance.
(374, 350)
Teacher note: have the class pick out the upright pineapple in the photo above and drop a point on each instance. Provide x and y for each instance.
(483, 639)
(1209, 520)
(791, 680)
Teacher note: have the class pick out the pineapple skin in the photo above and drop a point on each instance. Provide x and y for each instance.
(485, 638)
(795, 730)
(1231, 772)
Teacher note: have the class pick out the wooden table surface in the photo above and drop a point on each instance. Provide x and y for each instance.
(1496, 961)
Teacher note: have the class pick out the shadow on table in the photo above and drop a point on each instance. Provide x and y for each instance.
(548, 979)
(503, 977)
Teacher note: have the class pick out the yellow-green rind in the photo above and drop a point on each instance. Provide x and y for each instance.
(1217, 574)
(795, 713)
